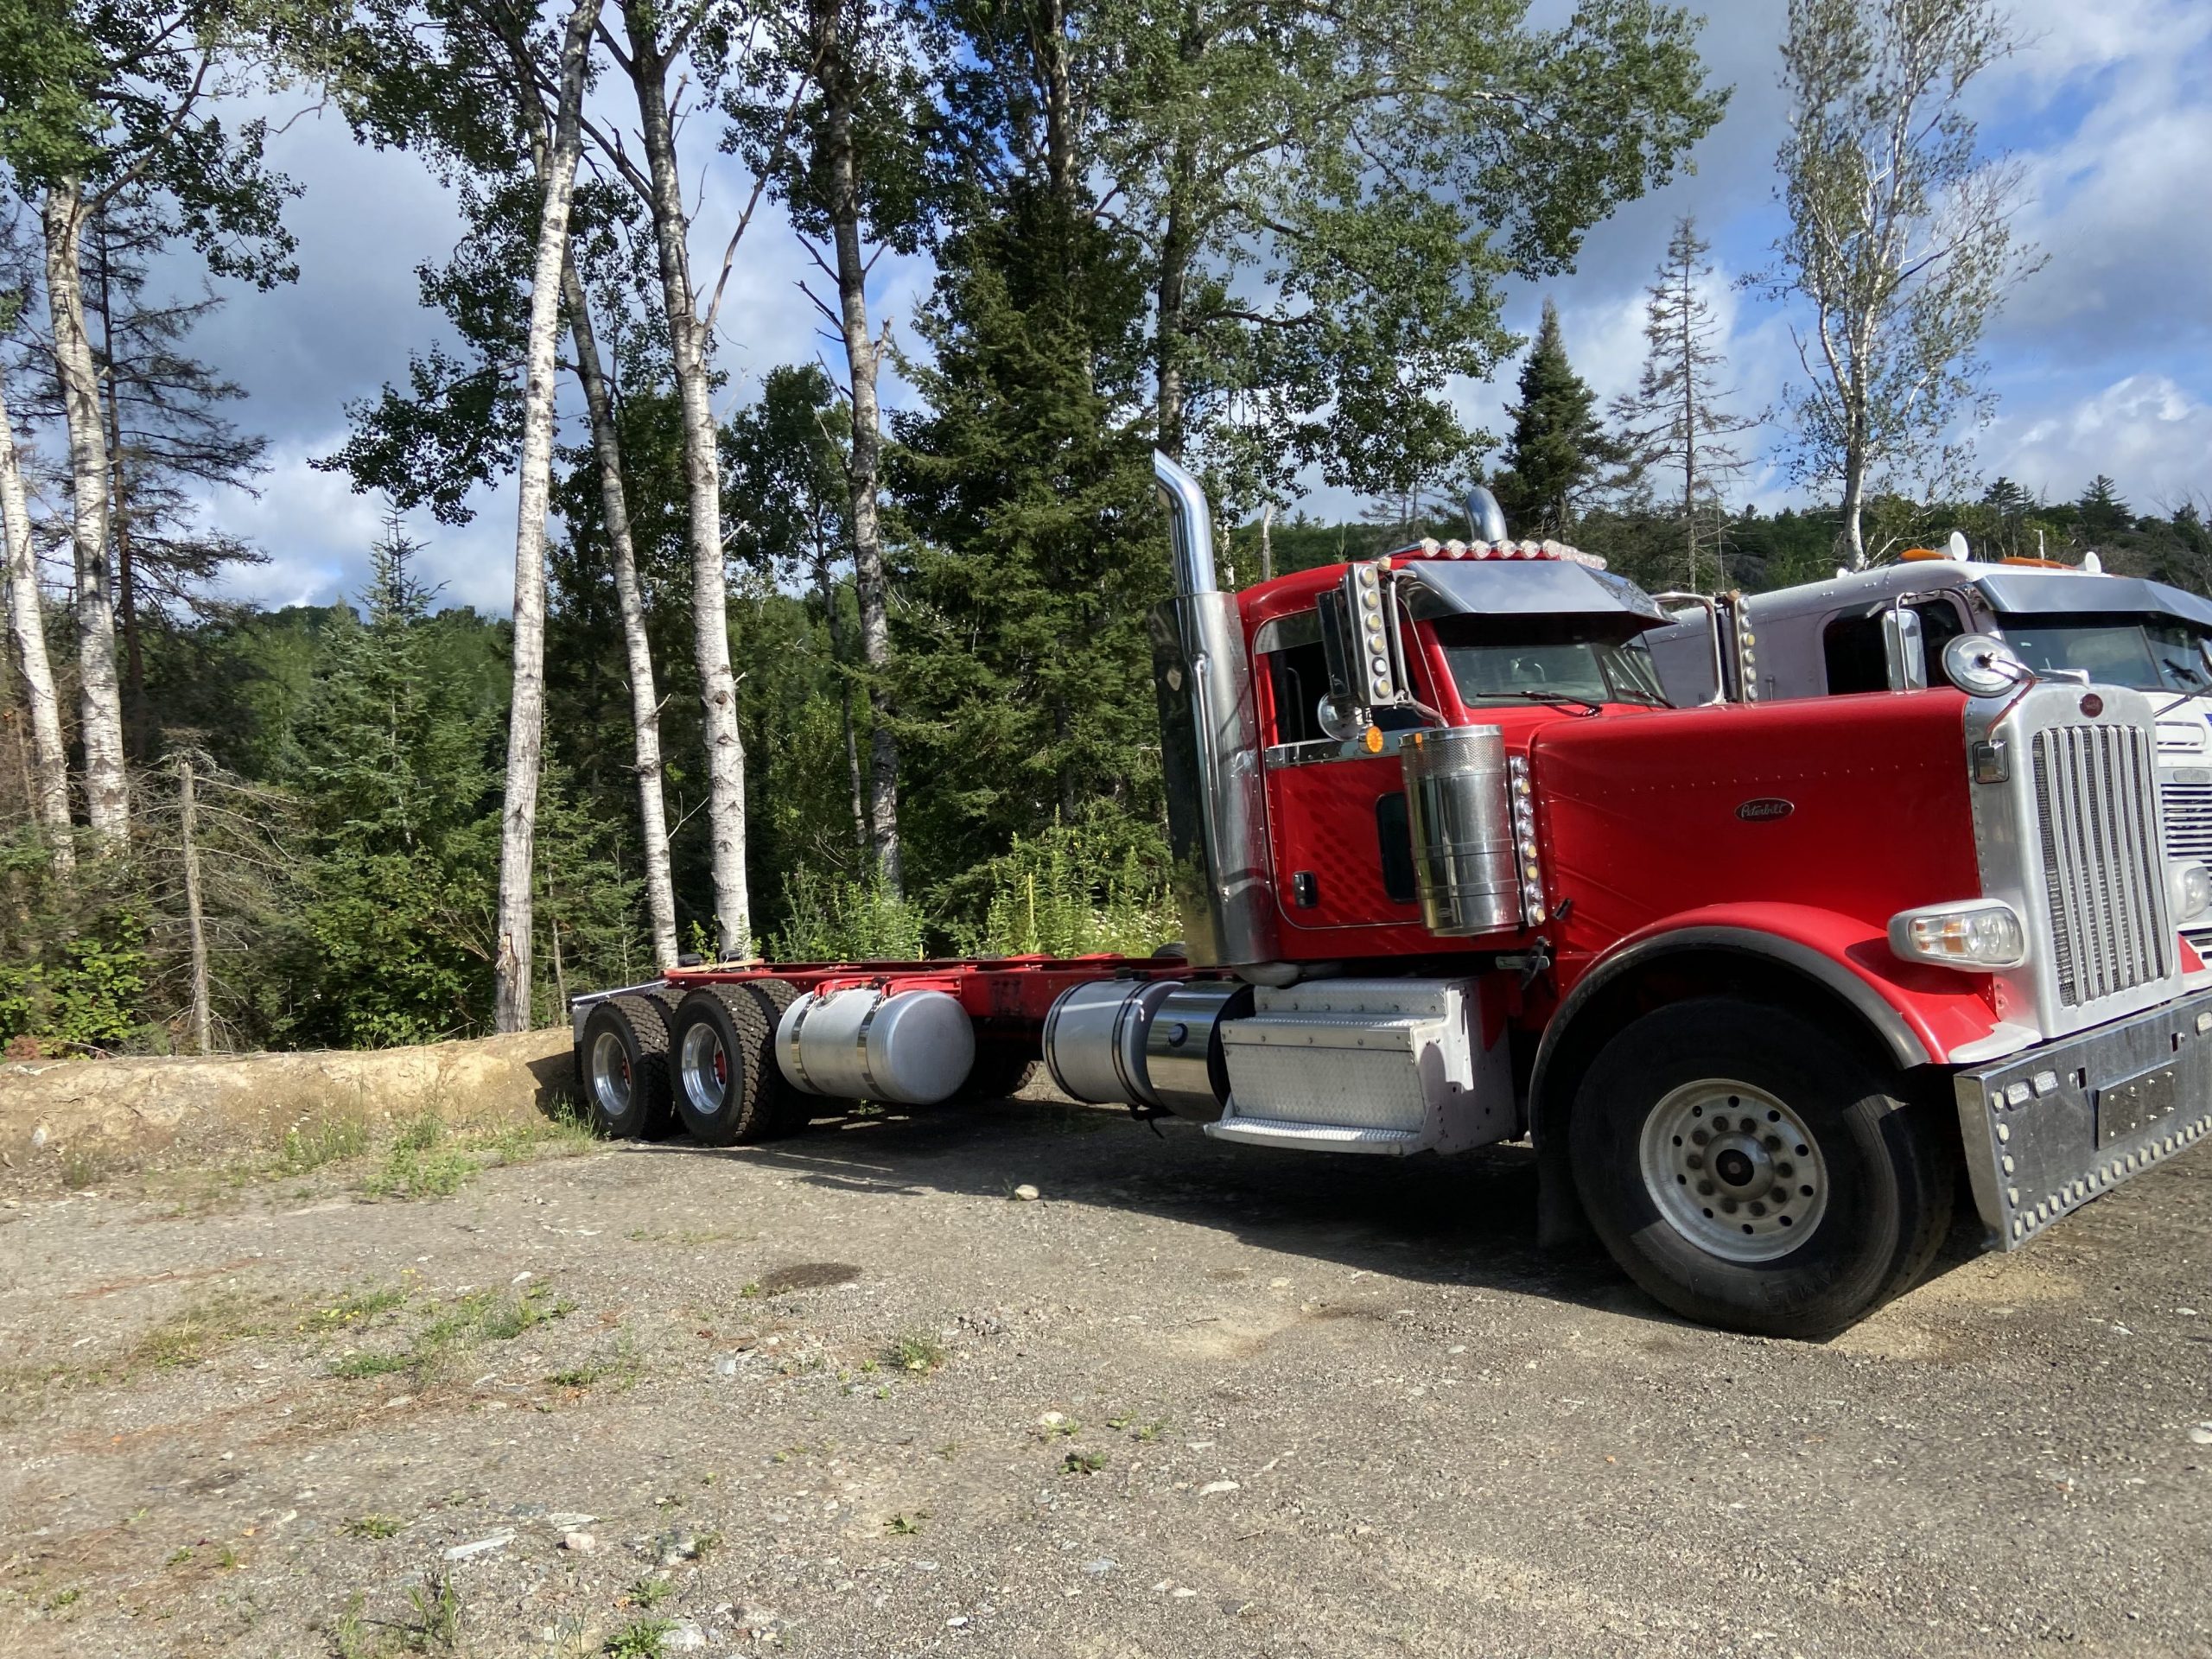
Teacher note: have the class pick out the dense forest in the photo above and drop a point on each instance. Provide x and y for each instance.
(820, 678)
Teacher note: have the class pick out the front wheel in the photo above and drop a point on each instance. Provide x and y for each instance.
(1750, 1170)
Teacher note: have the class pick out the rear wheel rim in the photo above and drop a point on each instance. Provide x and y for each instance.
(1734, 1170)
(703, 1064)
(610, 1073)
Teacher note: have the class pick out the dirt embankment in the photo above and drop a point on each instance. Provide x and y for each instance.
(67, 1118)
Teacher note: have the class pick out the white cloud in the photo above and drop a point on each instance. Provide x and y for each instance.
(2150, 434)
(317, 531)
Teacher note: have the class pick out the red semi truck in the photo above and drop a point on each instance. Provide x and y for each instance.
(1756, 979)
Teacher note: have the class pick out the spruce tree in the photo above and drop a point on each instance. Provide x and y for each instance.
(2103, 513)
(1024, 672)
(1558, 448)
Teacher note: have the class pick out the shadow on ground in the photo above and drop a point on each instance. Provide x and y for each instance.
(1469, 1220)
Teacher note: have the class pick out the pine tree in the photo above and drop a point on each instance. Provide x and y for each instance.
(1557, 447)
(2103, 513)
(399, 778)
(1024, 678)
(1675, 421)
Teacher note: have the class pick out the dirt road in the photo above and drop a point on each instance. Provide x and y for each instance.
(848, 1395)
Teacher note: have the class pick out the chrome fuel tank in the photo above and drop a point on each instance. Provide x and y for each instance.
(1459, 807)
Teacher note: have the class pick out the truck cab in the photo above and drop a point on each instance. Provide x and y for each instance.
(1886, 630)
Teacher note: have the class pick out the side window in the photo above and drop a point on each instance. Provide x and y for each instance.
(1299, 677)
(1852, 646)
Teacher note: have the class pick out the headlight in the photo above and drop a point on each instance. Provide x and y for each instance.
(1975, 935)
(2192, 892)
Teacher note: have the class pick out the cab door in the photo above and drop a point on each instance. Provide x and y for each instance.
(1343, 857)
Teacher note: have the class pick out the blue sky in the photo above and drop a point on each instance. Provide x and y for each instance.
(2103, 360)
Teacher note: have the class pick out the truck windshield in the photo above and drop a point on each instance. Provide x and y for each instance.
(2147, 653)
(1497, 659)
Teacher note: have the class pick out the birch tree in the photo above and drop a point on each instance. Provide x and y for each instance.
(856, 178)
(100, 102)
(27, 623)
(650, 56)
(526, 719)
(472, 94)
(1331, 201)
(1900, 246)
(1677, 420)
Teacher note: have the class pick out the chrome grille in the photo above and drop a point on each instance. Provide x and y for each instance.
(2101, 864)
(2189, 819)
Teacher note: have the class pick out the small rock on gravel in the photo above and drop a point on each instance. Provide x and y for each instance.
(2201, 1435)
(684, 1638)
(1099, 1568)
(1025, 1192)
(1212, 1487)
(483, 1546)
(582, 1542)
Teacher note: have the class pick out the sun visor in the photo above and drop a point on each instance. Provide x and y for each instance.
(2066, 592)
(1439, 587)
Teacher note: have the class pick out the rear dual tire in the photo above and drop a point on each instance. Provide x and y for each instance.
(622, 1065)
(728, 1090)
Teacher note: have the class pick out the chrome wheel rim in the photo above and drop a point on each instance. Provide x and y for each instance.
(704, 1067)
(1734, 1170)
(610, 1074)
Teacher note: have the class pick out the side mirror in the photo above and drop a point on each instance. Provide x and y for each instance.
(1983, 666)
(1904, 646)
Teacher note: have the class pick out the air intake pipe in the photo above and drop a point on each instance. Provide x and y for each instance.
(1208, 745)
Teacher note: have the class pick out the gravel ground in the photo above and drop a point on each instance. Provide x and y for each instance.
(849, 1394)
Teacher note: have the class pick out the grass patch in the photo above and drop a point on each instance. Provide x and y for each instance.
(330, 1140)
(375, 1526)
(360, 1365)
(916, 1351)
(565, 1134)
(906, 1526)
(431, 1159)
(618, 1371)
(82, 1169)
(650, 1592)
(435, 1624)
(190, 1336)
(422, 1163)
(450, 1329)
(357, 1307)
(1083, 1462)
(642, 1638)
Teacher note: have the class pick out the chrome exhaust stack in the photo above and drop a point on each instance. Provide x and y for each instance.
(1210, 746)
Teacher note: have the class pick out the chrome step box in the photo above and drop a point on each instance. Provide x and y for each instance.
(1375, 1065)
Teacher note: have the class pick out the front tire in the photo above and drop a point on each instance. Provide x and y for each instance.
(1750, 1170)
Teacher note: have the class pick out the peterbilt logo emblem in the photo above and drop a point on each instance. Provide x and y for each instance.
(1765, 808)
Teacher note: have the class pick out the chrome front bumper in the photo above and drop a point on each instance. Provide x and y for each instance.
(2047, 1130)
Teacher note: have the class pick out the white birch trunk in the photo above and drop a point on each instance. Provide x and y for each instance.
(862, 474)
(645, 696)
(27, 621)
(107, 800)
(725, 745)
(526, 721)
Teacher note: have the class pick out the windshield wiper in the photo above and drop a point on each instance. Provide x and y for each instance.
(1583, 703)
